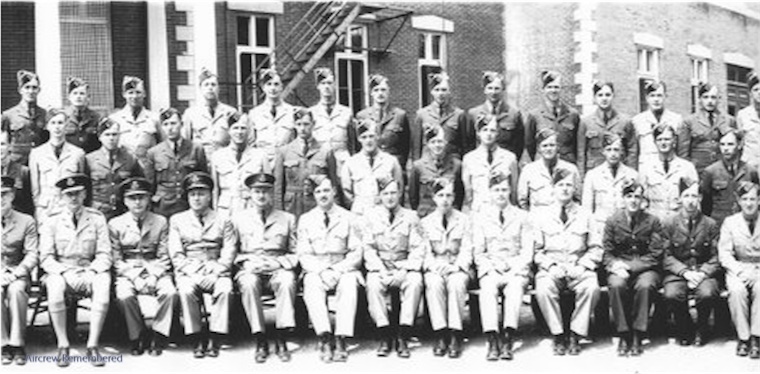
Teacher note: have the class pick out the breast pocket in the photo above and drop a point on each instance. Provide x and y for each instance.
(291, 170)
(719, 185)
(593, 140)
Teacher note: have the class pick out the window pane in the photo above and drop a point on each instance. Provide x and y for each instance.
(245, 80)
(436, 47)
(262, 32)
(343, 94)
(357, 35)
(242, 31)
(357, 85)
(422, 46)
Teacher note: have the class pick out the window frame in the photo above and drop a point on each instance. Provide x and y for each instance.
(700, 70)
(254, 50)
(651, 71)
(735, 101)
(428, 61)
(347, 53)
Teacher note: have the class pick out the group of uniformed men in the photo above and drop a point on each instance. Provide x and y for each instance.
(211, 201)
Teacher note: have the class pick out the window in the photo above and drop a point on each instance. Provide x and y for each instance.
(648, 69)
(86, 49)
(699, 69)
(737, 92)
(351, 66)
(255, 42)
(432, 59)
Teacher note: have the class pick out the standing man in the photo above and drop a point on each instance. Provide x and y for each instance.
(748, 120)
(264, 251)
(633, 249)
(603, 186)
(271, 122)
(393, 255)
(556, 115)
(511, 134)
(691, 265)
(75, 253)
(534, 188)
(82, 125)
(434, 165)
(332, 122)
(142, 266)
(330, 254)
(139, 127)
(26, 121)
(170, 161)
(207, 122)
(201, 261)
(502, 251)
(22, 201)
(20, 257)
(568, 250)
(699, 136)
(655, 116)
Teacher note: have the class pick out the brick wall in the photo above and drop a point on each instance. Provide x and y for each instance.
(129, 37)
(17, 48)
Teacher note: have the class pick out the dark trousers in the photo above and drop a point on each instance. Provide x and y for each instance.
(631, 299)
(677, 297)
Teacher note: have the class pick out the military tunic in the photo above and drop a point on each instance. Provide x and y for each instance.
(748, 120)
(591, 139)
(359, 180)
(394, 132)
(139, 134)
(23, 184)
(106, 178)
(719, 186)
(477, 172)
(269, 133)
(45, 169)
(333, 130)
(661, 188)
(27, 130)
(603, 192)
(644, 124)
(230, 191)
(20, 257)
(566, 125)
(535, 188)
(211, 132)
(82, 128)
(509, 122)
(297, 167)
(698, 140)
(459, 137)
(166, 167)
(424, 173)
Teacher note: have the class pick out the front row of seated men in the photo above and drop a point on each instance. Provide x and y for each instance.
(204, 252)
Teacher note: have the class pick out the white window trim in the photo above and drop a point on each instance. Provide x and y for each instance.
(347, 54)
(432, 23)
(654, 73)
(739, 59)
(429, 61)
(702, 76)
(239, 50)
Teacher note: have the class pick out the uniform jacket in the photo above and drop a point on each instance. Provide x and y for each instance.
(397, 245)
(359, 180)
(661, 188)
(45, 169)
(166, 170)
(23, 184)
(82, 128)
(641, 248)
(424, 173)
(297, 166)
(644, 124)
(566, 125)
(230, 191)
(451, 245)
(460, 138)
(26, 131)
(738, 250)
(140, 134)
(509, 120)
(270, 132)
(698, 141)
(192, 245)
(603, 193)
(718, 186)
(106, 178)
(87, 246)
(334, 246)
(575, 242)
(395, 131)
(690, 250)
(591, 139)
(256, 240)
(139, 252)
(332, 129)
(534, 188)
(748, 120)
(20, 251)
(501, 247)
(210, 133)
(477, 172)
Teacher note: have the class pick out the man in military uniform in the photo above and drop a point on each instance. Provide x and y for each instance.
(207, 122)
(108, 167)
(169, 162)
(26, 121)
(511, 132)
(82, 124)
(568, 250)
(142, 266)
(534, 188)
(748, 120)
(21, 179)
(434, 165)
(333, 123)
(393, 255)
(556, 115)
(271, 122)
(361, 172)
(201, 261)
(633, 249)
(264, 241)
(20, 256)
(502, 251)
(330, 254)
(139, 127)
(691, 264)
(75, 252)
(656, 115)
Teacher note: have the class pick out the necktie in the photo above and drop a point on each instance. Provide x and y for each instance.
(614, 170)
(440, 112)
(751, 225)
(563, 214)
(666, 165)
(391, 216)
(200, 219)
(490, 156)
(74, 220)
(381, 115)
(495, 109)
(711, 118)
(445, 222)
(305, 147)
(79, 115)
(501, 217)
(239, 155)
(31, 112)
(274, 111)
(263, 218)
(211, 111)
(658, 115)
(633, 222)
(371, 160)
(731, 169)
(606, 118)
(329, 109)
(139, 224)
(111, 158)
(176, 147)
(691, 225)
(58, 151)
(327, 220)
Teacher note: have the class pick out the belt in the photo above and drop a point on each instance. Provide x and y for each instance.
(75, 261)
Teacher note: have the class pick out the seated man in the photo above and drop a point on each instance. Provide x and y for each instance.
(264, 240)
(568, 250)
(633, 248)
(331, 256)
(393, 254)
(20, 256)
(201, 263)
(75, 253)
(502, 251)
(142, 266)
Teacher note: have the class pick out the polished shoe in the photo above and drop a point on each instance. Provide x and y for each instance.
(262, 350)
(137, 347)
(742, 348)
(558, 346)
(385, 347)
(493, 346)
(326, 347)
(402, 348)
(93, 355)
(214, 343)
(636, 348)
(754, 347)
(341, 352)
(440, 347)
(623, 346)
(199, 351)
(281, 350)
(455, 347)
(62, 360)
(506, 352)
(157, 344)
(19, 356)
(7, 355)
(574, 346)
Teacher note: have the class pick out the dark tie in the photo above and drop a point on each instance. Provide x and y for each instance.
(711, 117)
(381, 115)
(563, 214)
(666, 165)
(111, 158)
(731, 169)
(445, 222)
(371, 160)
(31, 112)
(329, 109)
(495, 110)
(691, 225)
(176, 147)
(633, 223)
(58, 151)
(658, 116)
(274, 111)
(200, 219)
(305, 147)
(440, 112)
(751, 225)
(501, 217)
(75, 220)
(490, 156)
(606, 118)
(239, 155)
(211, 111)
(391, 216)
(79, 116)
(139, 224)
(263, 218)
(614, 170)
(327, 220)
